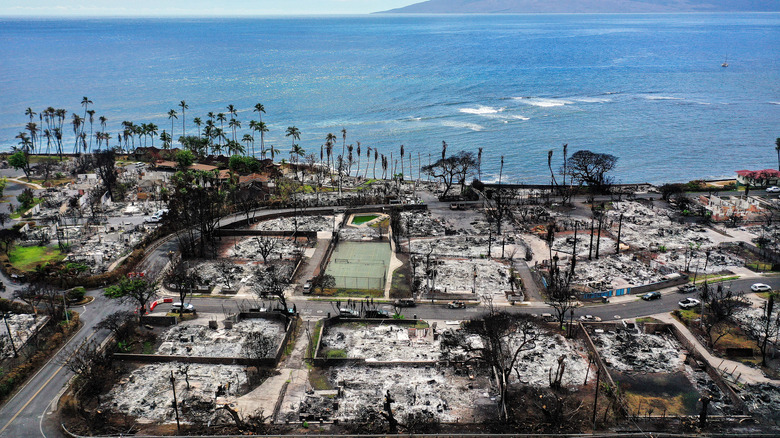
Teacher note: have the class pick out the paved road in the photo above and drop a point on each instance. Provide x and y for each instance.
(28, 413)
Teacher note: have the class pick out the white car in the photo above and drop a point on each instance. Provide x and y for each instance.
(590, 318)
(773, 189)
(688, 303)
(760, 287)
(188, 307)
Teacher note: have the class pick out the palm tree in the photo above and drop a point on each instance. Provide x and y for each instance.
(48, 135)
(76, 121)
(171, 116)
(249, 139)
(197, 123)
(253, 128)
(85, 102)
(260, 110)
(33, 128)
(376, 156)
(232, 110)
(29, 112)
(293, 132)
(262, 128)
(24, 141)
(368, 157)
(91, 122)
(402, 161)
(384, 167)
(152, 131)
(273, 152)
(183, 106)
(234, 124)
(350, 160)
(330, 139)
(479, 163)
(166, 139)
(210, 115)
(344, 136)
(221, 119)
(358, 162)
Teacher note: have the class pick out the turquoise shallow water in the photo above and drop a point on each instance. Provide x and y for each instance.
(647, 88)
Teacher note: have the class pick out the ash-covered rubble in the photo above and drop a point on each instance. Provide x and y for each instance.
(565, 244)
(438, 391)
(470, 246)
(305, 223)
(356, 234)
(423, 224)
(632, 351)
(193, 339)
(208, 272)
(615, 271)
(249, 249)
(383, 343)
(719, 261)
(533, 366)
(487, 275)
(146, 392)
(763, 400)
(645, 228)
(22, 326)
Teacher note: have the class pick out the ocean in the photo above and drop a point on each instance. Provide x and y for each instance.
(649, 89)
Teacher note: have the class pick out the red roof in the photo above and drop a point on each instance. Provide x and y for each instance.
(766, 172)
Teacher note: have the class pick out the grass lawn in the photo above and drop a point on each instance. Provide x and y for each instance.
(25, 258)
(354, 293)
(360, 220)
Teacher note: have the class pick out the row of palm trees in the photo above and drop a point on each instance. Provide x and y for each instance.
(218, 140)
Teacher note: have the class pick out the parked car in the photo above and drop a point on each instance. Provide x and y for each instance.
(760, 287)
(651, 296)
(157, 217)
(378, 313)
(307, 287)
(405, 302)
(456, 305)
(687, 303)
(349, 313)
(590, 318)
(686, 288)
(773, 189)
(188, 307)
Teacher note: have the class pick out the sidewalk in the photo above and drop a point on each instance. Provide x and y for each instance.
(744, 373)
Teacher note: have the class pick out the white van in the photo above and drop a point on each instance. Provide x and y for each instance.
(157, 217)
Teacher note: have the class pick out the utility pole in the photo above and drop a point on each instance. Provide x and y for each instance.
(590, 247)
(598, 240)
(574, 250)
(10, 338)
(596, 398)
(175, 404)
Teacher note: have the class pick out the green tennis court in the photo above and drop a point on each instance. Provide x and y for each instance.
(359, 265)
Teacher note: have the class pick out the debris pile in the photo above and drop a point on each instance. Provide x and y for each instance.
(646, 228)
(353, 234)
(565, 243)
(719, 261)
(457, 275)
(305, 223)
(763, 400)
(470, 246)
(615, 271)
(249, 249)
(423, 224)
(535, 366)
(21, 326)
(146, 392)
(441, 392)
(192, 339)
(383, 343)
(629, 350)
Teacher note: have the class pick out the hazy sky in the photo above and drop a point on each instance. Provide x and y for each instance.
(63, 8)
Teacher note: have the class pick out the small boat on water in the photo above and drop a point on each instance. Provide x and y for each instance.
(725, 63)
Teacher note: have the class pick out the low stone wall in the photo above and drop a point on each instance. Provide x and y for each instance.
(159, 320)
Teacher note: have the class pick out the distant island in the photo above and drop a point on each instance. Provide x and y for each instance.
(584, 6)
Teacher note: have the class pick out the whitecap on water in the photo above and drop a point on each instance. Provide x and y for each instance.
(544, 102)
(472, 126)
(481, 110)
